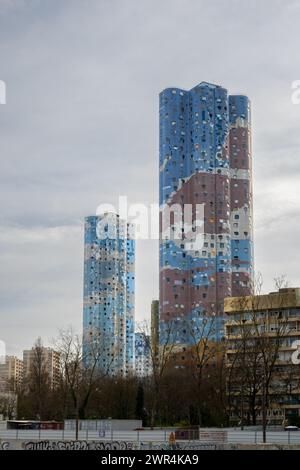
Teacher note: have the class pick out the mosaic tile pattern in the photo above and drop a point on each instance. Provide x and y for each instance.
(109, 280)
(205, 158)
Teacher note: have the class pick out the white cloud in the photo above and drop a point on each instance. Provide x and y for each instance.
(81, 127)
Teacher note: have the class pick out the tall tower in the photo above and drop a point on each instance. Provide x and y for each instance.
(108, 307)
(204, 146)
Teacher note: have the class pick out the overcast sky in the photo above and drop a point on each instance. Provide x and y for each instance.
(80, 127)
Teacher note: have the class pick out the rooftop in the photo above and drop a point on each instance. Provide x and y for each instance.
(283, 298)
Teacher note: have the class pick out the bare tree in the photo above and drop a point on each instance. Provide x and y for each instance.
(81, 369)
(37, 383)
(260, 330)
(160, 355)
(244, 376)
(8, 405)
(201, 355)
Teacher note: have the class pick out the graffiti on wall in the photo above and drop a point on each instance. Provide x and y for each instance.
(77, 445)
(4, 445)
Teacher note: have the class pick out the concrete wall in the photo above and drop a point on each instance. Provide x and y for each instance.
(127, 445)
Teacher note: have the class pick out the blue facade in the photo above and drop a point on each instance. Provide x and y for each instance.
(109, 280)
(205, 159)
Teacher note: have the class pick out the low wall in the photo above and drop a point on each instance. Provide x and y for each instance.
(65, 445)
(124, 445)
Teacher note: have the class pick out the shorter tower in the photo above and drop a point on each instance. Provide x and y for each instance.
(108, 306)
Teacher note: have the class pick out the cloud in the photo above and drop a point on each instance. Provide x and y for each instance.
(81, 127)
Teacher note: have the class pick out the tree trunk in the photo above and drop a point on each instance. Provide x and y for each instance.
(77, 426)
(253, 410)
(242, 410)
